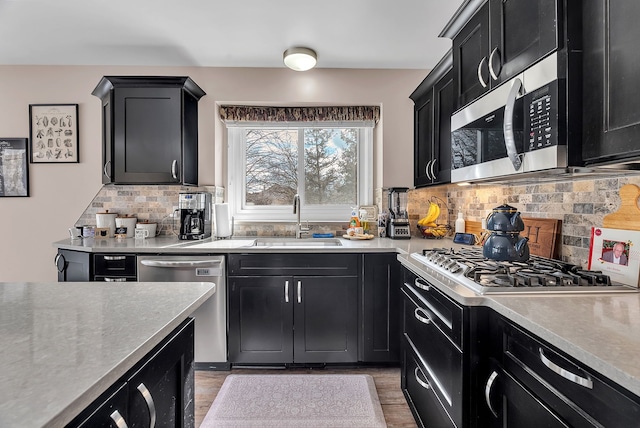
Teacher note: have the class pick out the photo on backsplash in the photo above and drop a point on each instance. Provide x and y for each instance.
(616, 252)
(54, 133)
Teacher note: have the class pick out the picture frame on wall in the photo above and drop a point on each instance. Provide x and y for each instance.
(14, 167)
(53, 130)
(616, 252)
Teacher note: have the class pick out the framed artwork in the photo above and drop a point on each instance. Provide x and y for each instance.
(54, 133)
(14, 171)
(616, 252)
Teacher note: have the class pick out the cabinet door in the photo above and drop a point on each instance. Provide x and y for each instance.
(511, 405)
(423, 139)
(261, 319)
(611, 106)
(161, 391)
(443, 104)
(73, 266)
(326, 319)
(522, 31)
(147, 135)
(470, 58)
(381, 308)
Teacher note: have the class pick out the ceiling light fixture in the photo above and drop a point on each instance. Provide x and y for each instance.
(300, 59)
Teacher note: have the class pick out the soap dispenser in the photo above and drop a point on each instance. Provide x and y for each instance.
(460, 224)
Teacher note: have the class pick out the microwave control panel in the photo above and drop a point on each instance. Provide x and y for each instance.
(542, 117)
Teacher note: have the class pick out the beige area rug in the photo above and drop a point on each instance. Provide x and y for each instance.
(296, 401)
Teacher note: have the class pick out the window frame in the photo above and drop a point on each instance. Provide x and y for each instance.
(236, 145)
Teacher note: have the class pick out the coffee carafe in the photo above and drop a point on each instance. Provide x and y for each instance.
(195, 215)
(505, 242)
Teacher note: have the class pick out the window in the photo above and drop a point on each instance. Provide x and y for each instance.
(329, 166)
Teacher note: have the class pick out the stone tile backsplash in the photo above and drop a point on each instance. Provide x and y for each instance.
(580, 204)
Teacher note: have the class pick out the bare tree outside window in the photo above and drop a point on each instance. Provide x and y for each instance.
(330, 165)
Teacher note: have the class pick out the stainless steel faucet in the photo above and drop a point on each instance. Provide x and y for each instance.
(301, 231)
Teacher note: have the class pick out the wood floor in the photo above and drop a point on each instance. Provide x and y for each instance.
(387, 380)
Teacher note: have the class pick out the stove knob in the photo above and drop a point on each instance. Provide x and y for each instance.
(455, 268)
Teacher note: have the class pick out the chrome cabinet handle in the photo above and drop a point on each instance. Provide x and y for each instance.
(482, 82)
(117, 418)
(299, 292)
(423, 319)
(433, 164)
(286, 291)
(115, 258)
(105, 171)
(427, 169)
(491, 71)
(422, 383)
(586, 382)
(421, 285)
(509, 140)
(150, 404)
(487, 392)
(174, 169)
(57, 261)
(108, 279)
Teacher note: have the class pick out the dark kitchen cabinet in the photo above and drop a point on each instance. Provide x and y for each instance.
(308, 316)
(501, 39)
(114, 267)
(158, 391)
(532, 384)
(381, 333)
(443, 356)
(433, 105)
(73, 266)
(150, 129)
(611, 107)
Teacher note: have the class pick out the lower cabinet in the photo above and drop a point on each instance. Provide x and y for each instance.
(531, 384)
(310, 316)
(381, 303)
(73, 266)
(298, 319)
(157, 392)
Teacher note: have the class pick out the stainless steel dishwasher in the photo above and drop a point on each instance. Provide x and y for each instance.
(211, 317)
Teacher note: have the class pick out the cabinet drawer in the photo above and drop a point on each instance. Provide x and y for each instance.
(534, 363)
(427, 407)
(293, 264)
(114, 265)
(447, 315)
(441, 360)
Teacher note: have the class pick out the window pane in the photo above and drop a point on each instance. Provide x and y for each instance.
(330, 166)
(271, 166)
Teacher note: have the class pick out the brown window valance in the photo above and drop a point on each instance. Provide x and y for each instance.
(300, 114)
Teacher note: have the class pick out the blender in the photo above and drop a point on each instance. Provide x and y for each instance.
(398, 223)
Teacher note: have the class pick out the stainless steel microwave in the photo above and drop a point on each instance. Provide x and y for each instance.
(519, 128)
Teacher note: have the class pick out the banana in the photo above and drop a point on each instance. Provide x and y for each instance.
(432, 214)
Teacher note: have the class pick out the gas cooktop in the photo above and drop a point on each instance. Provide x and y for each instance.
(468, 267)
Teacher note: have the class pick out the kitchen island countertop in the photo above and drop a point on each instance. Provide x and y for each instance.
(63, 344)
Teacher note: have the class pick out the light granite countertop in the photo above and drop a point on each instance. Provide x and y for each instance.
(63, 344)
(601, 330)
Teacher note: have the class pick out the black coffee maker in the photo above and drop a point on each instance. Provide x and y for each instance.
(195, 215)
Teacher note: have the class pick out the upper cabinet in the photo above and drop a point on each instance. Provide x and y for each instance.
(611, 92)
(150, 129)
(434, 103)
(497, 40)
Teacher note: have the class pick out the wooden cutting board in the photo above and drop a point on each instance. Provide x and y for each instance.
(543, 234)
(628, 216)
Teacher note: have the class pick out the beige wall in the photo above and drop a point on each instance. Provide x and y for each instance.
(59, 193)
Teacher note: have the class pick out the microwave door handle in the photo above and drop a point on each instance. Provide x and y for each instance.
(509, 140)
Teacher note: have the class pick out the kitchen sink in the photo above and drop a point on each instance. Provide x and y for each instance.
(292, 242)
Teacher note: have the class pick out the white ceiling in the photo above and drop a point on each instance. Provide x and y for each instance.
(230, 33)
